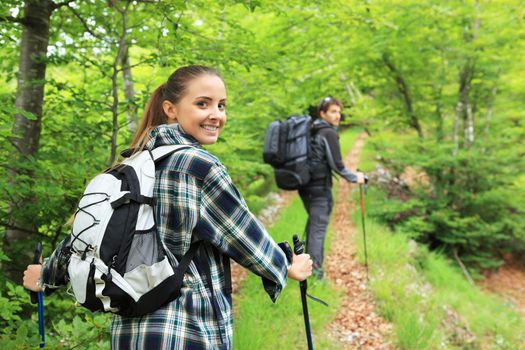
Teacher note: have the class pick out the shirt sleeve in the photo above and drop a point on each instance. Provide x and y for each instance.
(229, 225)
(53, 274)
(333, 154)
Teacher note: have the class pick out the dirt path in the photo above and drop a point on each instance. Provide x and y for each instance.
(509, 282)
(356, 326)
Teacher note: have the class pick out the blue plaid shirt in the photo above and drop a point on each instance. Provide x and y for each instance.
(195, 196)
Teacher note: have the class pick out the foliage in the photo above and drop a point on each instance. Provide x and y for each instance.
(397, 65)
(467, 204)
(427, 299)
(449, 72)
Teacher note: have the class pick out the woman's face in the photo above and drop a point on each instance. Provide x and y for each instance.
(332, 115)
(201, 112)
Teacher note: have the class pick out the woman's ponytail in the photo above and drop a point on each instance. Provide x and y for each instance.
(153, 115)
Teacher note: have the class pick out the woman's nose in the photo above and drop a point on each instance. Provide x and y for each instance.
(216, 113)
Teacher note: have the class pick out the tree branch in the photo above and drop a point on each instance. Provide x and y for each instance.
(14, 144)
(12, 19)
(402, 87)
(61, 4)
(84, 23)
(463, 268)
(17, 228)
(132, 65)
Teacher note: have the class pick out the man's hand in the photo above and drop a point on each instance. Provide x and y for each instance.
(360, 177)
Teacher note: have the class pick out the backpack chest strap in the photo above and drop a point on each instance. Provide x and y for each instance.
(128, 196)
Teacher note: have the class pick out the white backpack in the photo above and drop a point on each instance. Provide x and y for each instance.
(118, 262)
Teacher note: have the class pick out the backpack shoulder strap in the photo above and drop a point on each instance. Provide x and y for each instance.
(180, 270)
(162, 152)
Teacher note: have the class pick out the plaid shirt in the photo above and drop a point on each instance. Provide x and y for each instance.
(196, 197)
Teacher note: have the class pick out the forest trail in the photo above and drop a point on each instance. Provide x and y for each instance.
(357, 325)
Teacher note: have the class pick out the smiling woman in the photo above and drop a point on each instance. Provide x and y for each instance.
(194, 97)
(202, 111)
(195, 200)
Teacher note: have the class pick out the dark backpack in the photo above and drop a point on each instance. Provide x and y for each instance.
(287, 150)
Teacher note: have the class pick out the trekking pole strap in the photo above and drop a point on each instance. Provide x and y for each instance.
(317, 299)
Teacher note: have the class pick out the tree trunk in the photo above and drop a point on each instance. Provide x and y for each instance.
(129, 91)
(463, 108)
(402, 87)
(455, 138)
(114, 88)
(26, 131)
(469, 125)
(30, 95)
(114, 112)
(348, 87)
(488, 116)
(439, 113)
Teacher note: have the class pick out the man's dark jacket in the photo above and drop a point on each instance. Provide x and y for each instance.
(326, 156)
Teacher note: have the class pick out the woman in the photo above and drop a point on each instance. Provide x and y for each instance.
(194, 196)
(317, 194)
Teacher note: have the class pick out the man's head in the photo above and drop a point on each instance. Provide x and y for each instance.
(330, 110)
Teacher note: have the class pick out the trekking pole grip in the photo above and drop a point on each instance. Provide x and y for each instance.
(36, 260)
(298, 246)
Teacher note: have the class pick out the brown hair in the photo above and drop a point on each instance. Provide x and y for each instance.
(172, 90)
(325, 104)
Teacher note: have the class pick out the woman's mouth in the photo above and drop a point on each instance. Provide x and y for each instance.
(210, 128)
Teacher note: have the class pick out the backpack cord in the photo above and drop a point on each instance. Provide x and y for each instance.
(95, 221)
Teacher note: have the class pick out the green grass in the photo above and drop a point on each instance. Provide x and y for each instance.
(347, 139)
(367, 161)
(425, 296)
(260, 324)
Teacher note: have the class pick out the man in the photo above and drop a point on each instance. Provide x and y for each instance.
(317, 194)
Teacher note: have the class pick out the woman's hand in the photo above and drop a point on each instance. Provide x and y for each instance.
(31, 277)
(301, 267)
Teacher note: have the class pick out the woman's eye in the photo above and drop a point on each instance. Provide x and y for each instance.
(202, 104)
(222, 106)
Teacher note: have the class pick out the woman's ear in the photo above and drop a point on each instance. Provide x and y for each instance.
(170, 110)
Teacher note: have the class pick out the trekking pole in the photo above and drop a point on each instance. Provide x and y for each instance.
(38, 298)
(298, 248)
(363, 223)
